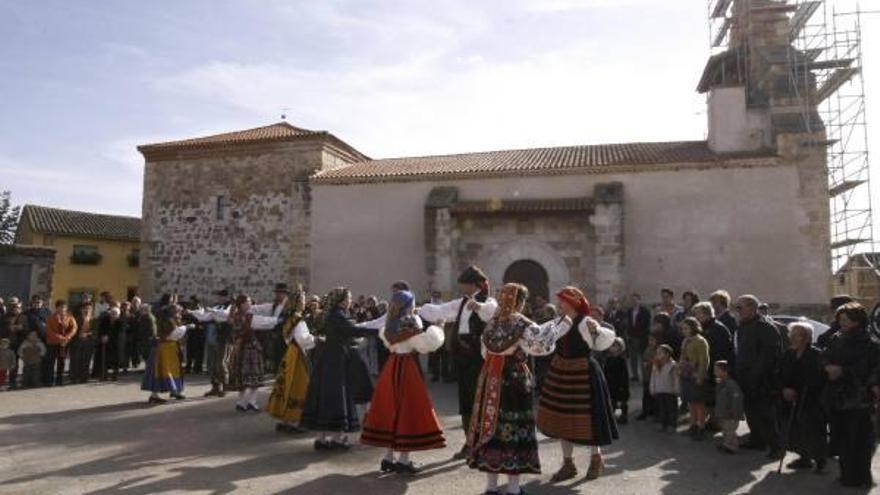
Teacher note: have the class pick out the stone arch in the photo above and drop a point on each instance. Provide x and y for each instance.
(497, 262)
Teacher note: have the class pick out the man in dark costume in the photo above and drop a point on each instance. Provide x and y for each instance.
(470, 313)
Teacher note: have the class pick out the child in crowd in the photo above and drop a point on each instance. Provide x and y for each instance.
(664, 388)
(728, 407)
(7, 361)
(32, 352)
(617, 375)
(649, 408)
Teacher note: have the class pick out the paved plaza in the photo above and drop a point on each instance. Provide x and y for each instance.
(104, 439)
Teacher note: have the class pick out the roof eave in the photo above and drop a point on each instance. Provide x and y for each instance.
(325, 179)
(160, 152)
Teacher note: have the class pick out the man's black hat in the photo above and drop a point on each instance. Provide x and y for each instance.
(281, 287)
(472, 275)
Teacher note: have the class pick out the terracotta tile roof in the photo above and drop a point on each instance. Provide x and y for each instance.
(543, 161)
(274, 132)
(281, 131)
(523, 205)
(79, 223)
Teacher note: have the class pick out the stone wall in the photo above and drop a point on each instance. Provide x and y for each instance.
(237, 219)
(562, 243)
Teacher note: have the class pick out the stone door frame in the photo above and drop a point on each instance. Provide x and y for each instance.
(497, 262)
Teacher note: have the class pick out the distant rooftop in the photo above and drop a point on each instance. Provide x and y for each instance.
(56, 221)
(279, 132)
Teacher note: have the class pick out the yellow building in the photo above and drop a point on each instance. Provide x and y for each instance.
(93, 253)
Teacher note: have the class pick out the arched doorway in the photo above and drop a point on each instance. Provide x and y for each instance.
(532, 275)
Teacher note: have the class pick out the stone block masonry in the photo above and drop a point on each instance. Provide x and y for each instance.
(237, 220)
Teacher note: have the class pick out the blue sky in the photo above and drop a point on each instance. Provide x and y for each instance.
(85, 82)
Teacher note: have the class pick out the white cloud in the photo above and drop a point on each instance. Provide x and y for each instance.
(568, 5)
(568, 96)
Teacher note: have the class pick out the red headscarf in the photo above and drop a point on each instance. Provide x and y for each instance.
(576, 298)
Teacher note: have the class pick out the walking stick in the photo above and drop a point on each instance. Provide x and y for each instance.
(794, 411)
(787, 435)
(103, 361)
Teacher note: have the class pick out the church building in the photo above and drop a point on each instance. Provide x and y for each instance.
(746, 210)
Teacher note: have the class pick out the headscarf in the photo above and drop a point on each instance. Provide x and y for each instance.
(576, 298)
(295, 307)
(509, 298)
(400, 306)
(331, 302)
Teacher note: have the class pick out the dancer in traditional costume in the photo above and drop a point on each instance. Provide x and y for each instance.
(163, 371)
(575, 405)
(246, 374)
(289, 392)
(218, 342)
(470, 314)
(401, 417)
(502, 437)
(340, 379)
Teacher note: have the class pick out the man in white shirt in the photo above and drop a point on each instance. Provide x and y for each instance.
(272, 341)
(470, 314)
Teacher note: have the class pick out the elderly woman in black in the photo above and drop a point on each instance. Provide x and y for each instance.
(851, 361)
(802, 382)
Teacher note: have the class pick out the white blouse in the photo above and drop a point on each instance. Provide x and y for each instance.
(448, 311)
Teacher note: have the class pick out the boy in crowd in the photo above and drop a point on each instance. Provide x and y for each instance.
(728, 407)
(664, 388)
(32, 351)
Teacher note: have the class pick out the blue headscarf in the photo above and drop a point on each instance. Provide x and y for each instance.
(401, 306)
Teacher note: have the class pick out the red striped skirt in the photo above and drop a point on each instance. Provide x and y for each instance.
(401, 416)
(566, 404)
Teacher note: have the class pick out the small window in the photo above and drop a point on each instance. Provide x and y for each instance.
(85, 255)
(134, 258)
(222, 207)
(81, 249)
(76, 297)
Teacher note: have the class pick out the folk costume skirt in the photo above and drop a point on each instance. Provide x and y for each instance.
(502, 437)
(401, 416)
(163, 373)
(247, 366)
(291, 384)
(575, 404)
(330, 400)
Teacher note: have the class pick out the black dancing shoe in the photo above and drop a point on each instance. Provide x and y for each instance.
(252, 407)
(337, 445)
(800, 463)
(240, 408)
(388, 466)
(323, 445)
(407, 468)
(156, 400)
(178, 396)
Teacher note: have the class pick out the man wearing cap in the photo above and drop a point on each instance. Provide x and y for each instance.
(14, 327)
(470, 313)
(272, 341)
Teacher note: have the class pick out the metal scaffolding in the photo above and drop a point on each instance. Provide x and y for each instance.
(824, 71)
